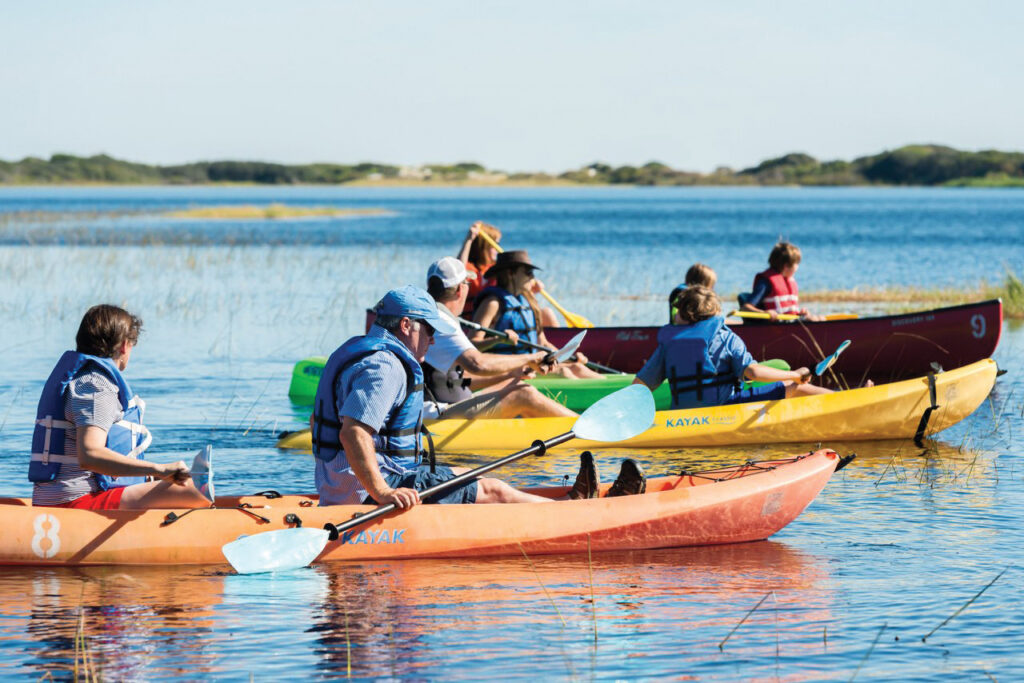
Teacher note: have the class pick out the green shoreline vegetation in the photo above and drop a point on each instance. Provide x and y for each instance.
(912, 165)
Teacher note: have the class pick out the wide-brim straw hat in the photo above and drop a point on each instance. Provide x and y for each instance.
(510, 259)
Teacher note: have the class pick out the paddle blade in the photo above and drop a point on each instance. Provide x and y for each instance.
(566, 352)
(576, 320)
(618, 416)
(273, 551)
(826, 363)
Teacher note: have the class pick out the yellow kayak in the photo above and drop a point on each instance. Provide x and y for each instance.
(887, 411)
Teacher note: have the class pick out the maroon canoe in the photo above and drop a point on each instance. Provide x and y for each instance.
(884, 348)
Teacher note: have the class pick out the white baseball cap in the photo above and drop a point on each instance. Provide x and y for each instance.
(450, 270)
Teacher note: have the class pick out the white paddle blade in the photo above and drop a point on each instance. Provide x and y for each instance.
(566, 352)
(202, 472)
(273, 551)
(826, 363)
(618, 416)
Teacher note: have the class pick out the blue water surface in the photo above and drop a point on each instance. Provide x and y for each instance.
(895, 544)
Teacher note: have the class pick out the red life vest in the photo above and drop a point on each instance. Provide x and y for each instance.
(782, 292)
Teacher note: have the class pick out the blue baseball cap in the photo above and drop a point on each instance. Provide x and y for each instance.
(413, 302)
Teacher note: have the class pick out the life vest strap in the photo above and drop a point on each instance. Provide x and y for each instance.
(698, 381)
(47, 458)
(408, 431)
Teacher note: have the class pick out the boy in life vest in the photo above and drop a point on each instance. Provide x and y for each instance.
(774, 290)
(368, 417)
(89, 438)
(705, 362)
(453, 363)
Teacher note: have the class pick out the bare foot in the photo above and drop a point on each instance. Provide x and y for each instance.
(867, 384)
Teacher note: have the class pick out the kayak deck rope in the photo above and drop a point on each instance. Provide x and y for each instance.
(172, 517)
(747, 469)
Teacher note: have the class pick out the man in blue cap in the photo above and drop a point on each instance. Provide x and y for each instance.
(368, 416)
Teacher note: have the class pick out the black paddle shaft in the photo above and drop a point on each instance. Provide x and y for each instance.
(538, 447)
(497, 333)
(530, 345)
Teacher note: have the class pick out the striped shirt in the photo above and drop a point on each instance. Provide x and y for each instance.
(89, 401)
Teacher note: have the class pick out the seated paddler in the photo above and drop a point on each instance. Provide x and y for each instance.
(367, 424)
(89, 438)
(454, 368)
(705, 362)
(510, 307)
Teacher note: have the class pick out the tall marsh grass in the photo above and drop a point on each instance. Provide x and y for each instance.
(897, 299)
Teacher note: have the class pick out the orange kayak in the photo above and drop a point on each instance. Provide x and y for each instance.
(733, 504)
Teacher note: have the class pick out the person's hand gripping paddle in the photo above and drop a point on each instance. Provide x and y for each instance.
(566, 352)
(616, 417)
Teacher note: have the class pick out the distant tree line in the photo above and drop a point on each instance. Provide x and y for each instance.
(910, 165)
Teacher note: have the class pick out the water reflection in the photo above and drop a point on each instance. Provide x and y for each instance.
(420, 618)
(410, 618)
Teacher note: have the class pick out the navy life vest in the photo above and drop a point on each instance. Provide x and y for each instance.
(514, 313)
(399, 438)
(446, 387)
(693, 380)
(782, 292)
(128, 436)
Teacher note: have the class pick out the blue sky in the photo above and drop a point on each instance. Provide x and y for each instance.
(514, 85)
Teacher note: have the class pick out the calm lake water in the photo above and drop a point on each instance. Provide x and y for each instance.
(895, 544)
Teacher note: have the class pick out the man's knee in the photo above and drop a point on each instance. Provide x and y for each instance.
(492, 491)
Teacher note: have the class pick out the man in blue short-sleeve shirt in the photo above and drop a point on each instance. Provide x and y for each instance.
(366, 421)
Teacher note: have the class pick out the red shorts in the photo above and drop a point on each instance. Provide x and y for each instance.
(104, 500)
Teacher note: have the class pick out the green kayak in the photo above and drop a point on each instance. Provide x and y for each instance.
(575, 394)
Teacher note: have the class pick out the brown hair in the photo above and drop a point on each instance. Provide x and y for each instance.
(701, 274)
(784, 254)
(479, 250)
(697, 303)
(104, 329)
(504, 280)
(437, 290)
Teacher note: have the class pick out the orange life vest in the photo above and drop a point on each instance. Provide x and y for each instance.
(782, 292)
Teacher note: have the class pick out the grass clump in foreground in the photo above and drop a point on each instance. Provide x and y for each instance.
(272, 212)
(1010, 290)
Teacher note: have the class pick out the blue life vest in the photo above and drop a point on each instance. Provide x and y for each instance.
(128, 436)
(399, 438)
(514, 313)
(693, 379)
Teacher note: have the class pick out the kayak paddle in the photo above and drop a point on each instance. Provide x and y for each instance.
(616, 417)
(566, 352)
(571, 319)
(530, 345)
(826, 363)
(755, 315)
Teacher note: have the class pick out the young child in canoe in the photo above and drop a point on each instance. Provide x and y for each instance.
(705, 362)
(775, 291)
(698, 274)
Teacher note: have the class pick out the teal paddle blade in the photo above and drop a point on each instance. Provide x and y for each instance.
(618, 416)
(278, 550)
(826, 363)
